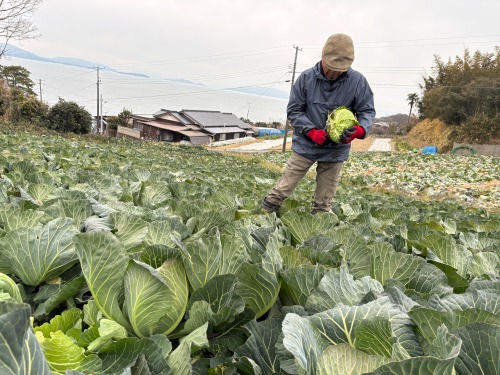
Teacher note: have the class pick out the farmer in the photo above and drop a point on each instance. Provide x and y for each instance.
(329, 84)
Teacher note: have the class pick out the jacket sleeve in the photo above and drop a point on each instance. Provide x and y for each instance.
(364, 107)
(296, 109)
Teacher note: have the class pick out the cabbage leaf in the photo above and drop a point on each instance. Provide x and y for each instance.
(338, 120)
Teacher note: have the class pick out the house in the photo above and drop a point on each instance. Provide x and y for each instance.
(195, 126)
(380, 128)
(99, 124)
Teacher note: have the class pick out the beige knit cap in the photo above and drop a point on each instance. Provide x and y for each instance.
(338, 52)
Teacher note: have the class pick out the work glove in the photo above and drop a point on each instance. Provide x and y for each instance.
(318, 136)
(349, 134)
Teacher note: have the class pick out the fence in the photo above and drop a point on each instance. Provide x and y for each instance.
(122, 131)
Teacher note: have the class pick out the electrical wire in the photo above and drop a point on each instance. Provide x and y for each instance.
(72, 75)
(422, 39)
(212, 77)
(232, 55)
(192, 92)
(264, 70)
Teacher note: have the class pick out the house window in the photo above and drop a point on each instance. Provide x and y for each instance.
(236, 135)
(222, 137)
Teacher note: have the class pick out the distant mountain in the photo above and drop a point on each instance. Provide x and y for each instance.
(399, 121)
(399, 118)
(182, 80)
(23, 54)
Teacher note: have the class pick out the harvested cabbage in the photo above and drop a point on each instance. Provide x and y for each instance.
(339, 119)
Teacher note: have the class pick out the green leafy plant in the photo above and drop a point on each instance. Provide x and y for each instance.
(338, 120)
(133, 258)
(68, 117)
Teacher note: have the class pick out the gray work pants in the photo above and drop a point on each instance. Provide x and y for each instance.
(327, 179)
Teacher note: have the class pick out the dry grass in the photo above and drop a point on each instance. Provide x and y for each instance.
(362, 144)
(429, 133)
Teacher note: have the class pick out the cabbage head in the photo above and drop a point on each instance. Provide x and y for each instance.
(9, 291)
(339, 119)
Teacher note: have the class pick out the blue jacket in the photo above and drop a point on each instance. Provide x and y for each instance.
(313, 96)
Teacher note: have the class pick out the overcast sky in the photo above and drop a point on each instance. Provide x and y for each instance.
(228, 43)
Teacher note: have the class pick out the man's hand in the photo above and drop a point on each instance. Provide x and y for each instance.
(318, 136)
(349, 134)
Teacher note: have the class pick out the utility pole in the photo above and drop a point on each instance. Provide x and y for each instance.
(40, 85)
(297, 49)
(97, 116)
(102, 122)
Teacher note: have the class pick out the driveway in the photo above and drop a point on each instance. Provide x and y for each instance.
(265, 145)
(381, 144)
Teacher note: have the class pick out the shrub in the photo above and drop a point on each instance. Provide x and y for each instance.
(27, 109)
(67, 117)
(478, 129)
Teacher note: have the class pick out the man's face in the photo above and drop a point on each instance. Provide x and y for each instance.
(330, 74)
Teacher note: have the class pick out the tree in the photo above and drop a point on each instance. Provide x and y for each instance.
(466, 87)
(69, 117)
(465, 94)
(17, 77)
(18, 101)
(26, 109)
(122, 119)
(16, 21)
(412, 100)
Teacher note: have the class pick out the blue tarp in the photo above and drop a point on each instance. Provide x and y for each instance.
(431, 150)
(269, 131)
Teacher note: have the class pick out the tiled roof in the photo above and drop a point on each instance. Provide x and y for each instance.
(213, 122)
(215, 119)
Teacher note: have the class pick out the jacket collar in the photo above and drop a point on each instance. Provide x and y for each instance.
(319, 73)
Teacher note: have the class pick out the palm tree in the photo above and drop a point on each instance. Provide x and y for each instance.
(412, 100)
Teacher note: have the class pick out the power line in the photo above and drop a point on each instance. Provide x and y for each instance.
(71, 75)
(211, 77)
(193, 92)
(421, 39)
(270, 50)
(231, 55)
(262, 93)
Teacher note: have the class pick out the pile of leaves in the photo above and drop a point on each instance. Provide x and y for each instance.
(132, 257)
(430, 133)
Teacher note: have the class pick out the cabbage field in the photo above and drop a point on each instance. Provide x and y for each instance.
(125, 257)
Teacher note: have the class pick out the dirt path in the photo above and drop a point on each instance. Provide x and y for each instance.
(258, 145)
(381, 144)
